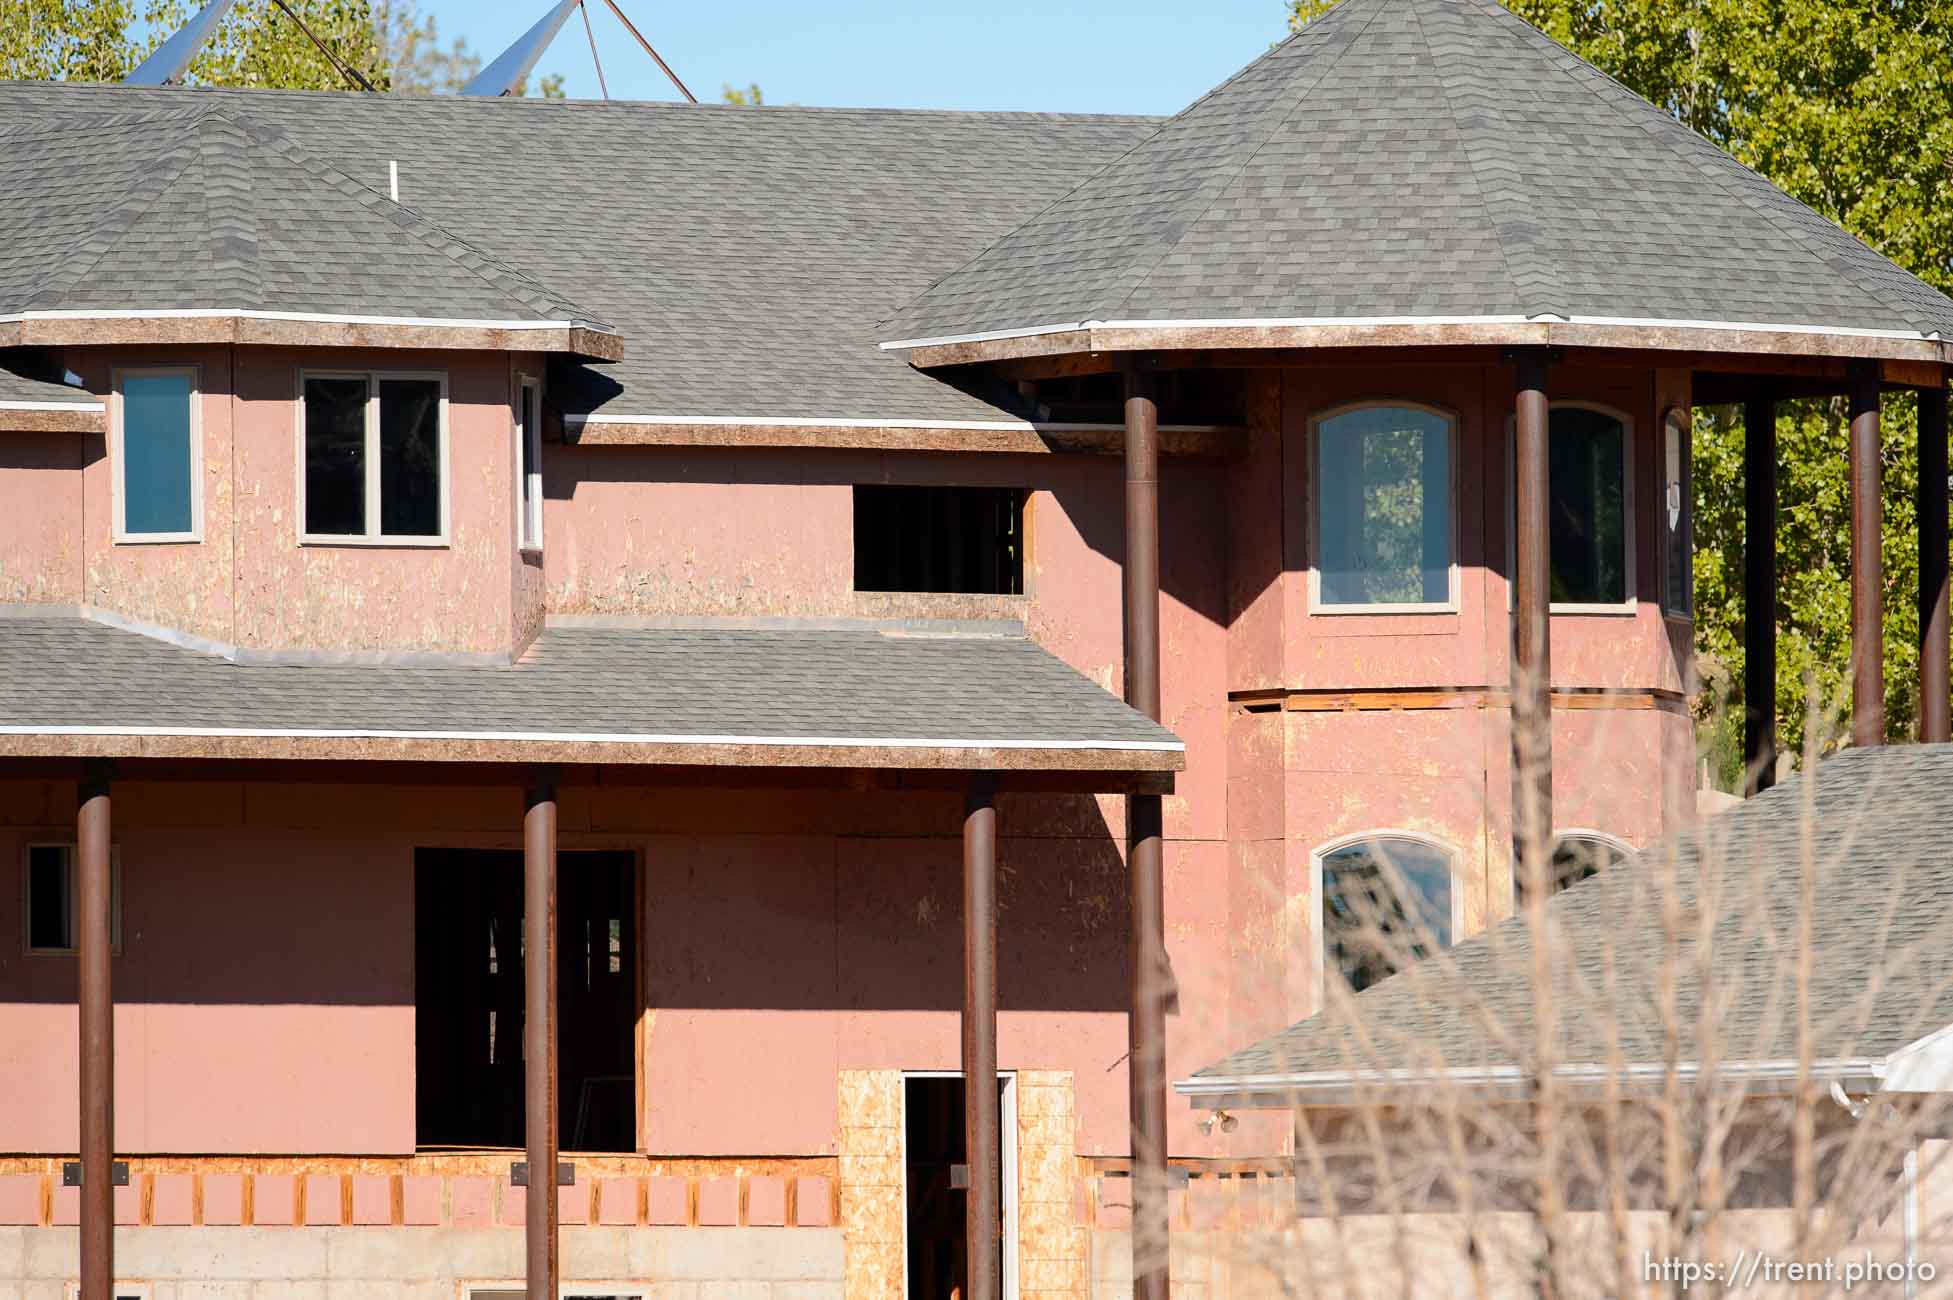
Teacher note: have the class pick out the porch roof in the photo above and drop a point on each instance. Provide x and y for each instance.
(1435, 165)
(1872, 824)
(698, 694)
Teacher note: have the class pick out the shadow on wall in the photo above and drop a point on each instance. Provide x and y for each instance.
(797, 918)
(1087, 491)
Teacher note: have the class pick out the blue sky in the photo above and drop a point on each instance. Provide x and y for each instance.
(1137, 56)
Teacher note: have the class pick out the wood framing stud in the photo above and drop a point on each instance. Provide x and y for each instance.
(1934, 723)
(1146, 1063)
(93, 832)
(1867, 563)
(539, 1028)
(1760, 589)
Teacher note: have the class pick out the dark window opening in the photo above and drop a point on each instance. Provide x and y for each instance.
(939, 539)
(1587, 463)
(938, 1198)
(468, 999)
(335, 457)
(1385, 904)
(1575, 858)
(410, 457)
(53, 901)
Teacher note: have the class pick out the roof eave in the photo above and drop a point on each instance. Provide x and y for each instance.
(307, 329)
(1340, 1088)
(1697, 336)
(1144, 768)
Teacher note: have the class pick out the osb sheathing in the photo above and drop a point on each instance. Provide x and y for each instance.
(1051, 1239)
(872, 1195)
(41, 500)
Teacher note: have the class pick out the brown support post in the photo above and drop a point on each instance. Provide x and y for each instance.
(982, 1141)
(1867, 563)
(1532, 667)
(1146, 1064)
(539, 1030)
(1760, 589)
(92, 943)
(1935, 726)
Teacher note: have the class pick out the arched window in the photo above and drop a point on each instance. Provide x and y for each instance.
(1384, 519)
(1577, 856)
(1386, 901)
(1590, 507)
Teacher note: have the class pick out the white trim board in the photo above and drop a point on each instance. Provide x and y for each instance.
(1367, 322)
(598, 738)
(840, 422)
(312, 317)
(52, 406)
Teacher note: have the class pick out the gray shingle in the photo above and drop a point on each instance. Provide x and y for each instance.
(26, 376)
(66, 672)
(198, 208)
(1424, 158)
(745, 254)
(1881, 942)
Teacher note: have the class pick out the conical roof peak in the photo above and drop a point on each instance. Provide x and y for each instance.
(1422, 160)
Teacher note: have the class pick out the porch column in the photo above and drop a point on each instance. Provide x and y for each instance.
(539, 1030)
(1934, 724)
(1532, 668)
(1867, 566)
(92, 944)
(980, 1123)
(1760, 589)
(1146, 1064)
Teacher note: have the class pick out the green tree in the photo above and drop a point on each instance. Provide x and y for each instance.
(1848, 105)
(751, 95)
(65, 40)
(258, 45)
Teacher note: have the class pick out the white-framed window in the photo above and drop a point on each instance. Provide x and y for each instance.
(1388, 898)
(50, 899)
(156, 454)
(373, 457)
(1678, 513)
(1577, 855)
(1384, 518)
(528, 465)
(1589, 508)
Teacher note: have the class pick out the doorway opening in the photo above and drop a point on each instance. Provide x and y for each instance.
(468, 998)
(936, 1174)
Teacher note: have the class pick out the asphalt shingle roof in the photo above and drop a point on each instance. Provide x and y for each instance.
(744, 254)
(1881, 942)
(196, 207)
(761, 685)
(1419, 158)
(23, 378)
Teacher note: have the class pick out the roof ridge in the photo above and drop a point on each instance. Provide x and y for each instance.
(1711, 162)
(1057, 200)
(1496, 224)
(1233, 174)
(232, 226)
(122, 219)
(511, 280)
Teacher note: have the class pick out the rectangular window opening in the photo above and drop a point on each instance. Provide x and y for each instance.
(468, 999)
(52, 900)
(375, 458)
(1385, 533)
(528, 468)
(157, 490)
(939, 539)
